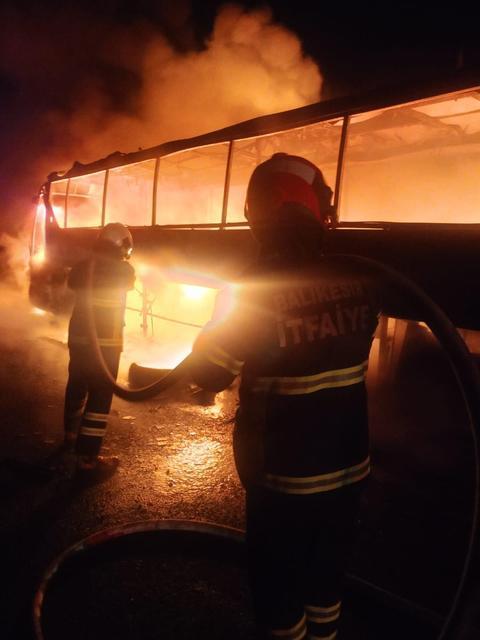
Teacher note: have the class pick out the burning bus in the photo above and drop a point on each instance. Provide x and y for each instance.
(404, 167)
(405, 170)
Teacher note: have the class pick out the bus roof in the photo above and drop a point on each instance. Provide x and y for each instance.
(382, 97)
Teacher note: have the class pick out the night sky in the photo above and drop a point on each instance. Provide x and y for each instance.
(53, 55)
(364, 44)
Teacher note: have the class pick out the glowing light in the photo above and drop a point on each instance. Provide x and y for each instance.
(193, 292)
(194, 465)
(38, 239)
(199, 453)
(214, 411)
(38, 312)
(39, 257)
(59, 213)
(142, 269)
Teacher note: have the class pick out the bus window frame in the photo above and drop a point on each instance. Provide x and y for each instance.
(340, 167)
(154, 192)
(67, 193)
(104, 198)
(345, 115)
(65, 215)
(221, 224)
(226, 185)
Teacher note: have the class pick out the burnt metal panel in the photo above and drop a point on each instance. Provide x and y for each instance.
(441, 259)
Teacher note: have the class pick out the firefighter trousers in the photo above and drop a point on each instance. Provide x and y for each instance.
(297, 548)
(88, 398)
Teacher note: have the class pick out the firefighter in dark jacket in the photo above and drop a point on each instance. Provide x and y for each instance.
(88, 397)
(300, 335)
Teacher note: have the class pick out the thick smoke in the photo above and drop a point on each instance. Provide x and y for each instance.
(79, 86)
(249, 67)
(14, 261)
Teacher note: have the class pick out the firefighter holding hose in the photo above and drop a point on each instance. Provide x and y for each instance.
(100, 282)
(300, 335)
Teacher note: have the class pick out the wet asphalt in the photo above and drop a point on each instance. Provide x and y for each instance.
(176, 463)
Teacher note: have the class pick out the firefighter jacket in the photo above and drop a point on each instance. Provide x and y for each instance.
(300, 338)
(110, 283)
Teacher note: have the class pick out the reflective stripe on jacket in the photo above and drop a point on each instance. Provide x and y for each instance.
(111, 280)
(301, 341)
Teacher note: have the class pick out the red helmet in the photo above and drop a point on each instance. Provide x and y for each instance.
(286, 179)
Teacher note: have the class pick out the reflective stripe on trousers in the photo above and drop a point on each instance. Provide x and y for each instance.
(88, 398)
(322, 621)
(318, 623)
(297, 547)
(92, 432)
(295, 632)
(318, 484)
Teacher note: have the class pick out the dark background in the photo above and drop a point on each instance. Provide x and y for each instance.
(361, 39)
(362, 45)
(356, 46)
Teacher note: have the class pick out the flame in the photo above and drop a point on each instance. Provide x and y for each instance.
(415, 163)
(165, 313)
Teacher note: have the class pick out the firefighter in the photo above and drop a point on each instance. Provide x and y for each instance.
(299, 335)
(88, 397)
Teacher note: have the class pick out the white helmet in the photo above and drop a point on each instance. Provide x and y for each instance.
(116, 235)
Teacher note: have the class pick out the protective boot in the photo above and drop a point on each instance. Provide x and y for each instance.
(62, 460)
(95, 469)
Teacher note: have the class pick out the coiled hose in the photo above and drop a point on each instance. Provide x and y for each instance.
(462, 364)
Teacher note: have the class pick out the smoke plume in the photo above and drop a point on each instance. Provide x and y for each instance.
(82, 86)
(79, 85)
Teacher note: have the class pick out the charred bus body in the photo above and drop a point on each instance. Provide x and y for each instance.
(405, 167)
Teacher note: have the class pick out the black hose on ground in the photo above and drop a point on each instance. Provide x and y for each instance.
(108, 535)
(460, 359)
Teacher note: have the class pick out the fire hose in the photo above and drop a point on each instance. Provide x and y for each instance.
(140, 393)
(462, 364)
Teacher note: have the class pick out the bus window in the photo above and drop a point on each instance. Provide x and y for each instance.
(84, 202)
(414, 163)
(318, 142)
(191, 185)
(58, 193)
(130, 194)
